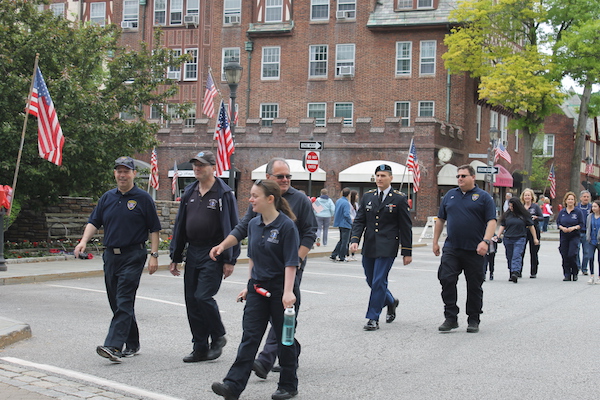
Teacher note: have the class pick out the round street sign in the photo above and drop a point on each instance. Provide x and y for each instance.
(311, 161)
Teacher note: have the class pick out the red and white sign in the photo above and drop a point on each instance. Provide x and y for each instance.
(311, 161)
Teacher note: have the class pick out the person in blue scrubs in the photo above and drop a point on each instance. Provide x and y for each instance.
(273, 259)
(569, 220)
(593, 238)
(128, 214)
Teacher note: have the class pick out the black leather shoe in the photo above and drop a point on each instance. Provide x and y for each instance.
(391, 311)
(216, 348)
(473, 327)
(259, 370)
(195, 356)
(566, 279)
(448, 325)
(282, 394)
(277, 367)
(371, 325)
(575, 278)
(112, 353)
(514, 277)
(223, 390)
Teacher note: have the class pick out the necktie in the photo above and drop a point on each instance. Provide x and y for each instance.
(380, 197)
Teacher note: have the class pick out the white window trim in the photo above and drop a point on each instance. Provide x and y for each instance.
(426, 7)
(102, 7)
(175, 69)
(432, 108)
(346, 121)
(186, 64)
(268, 119)
(504, 129)
(345, 61)
(421, 64)
(279, 6)
(323, 2)
(162, 10)
(324, 117)
(172, 10)
(310, 61)
(399, 59)
(263, 63)
(478, 124)
(398, 116)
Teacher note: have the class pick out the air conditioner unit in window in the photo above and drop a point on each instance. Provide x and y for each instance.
(234, 19)
(128, 24)
(173, 75)
(341, 15)
(190, 19)
(347, 70)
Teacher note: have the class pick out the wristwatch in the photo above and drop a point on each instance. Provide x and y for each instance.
(155, 255)
(487, 241)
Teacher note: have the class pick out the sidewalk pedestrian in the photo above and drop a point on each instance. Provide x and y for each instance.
(528, 199)
(593, 238)
(324, 209)
(586, 207)
(343, 222)
(353, 210)
(128, 215)
(207, 212)
(569, 221)
(546, 213)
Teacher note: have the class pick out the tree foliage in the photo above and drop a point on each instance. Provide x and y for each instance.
(91, 79)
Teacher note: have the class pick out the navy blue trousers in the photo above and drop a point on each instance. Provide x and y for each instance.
(377, 271)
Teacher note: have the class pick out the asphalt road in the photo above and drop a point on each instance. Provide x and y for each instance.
(538, 338)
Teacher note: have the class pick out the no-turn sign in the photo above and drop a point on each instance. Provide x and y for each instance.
(311, 161)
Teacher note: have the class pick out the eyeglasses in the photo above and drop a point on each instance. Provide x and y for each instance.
(461, 176)
(258, 182)
(280, 177)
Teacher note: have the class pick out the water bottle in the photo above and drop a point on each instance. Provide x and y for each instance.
(289, 326)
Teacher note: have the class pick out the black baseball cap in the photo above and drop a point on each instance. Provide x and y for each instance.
(125, 161)
(383, 167)
(205, 157)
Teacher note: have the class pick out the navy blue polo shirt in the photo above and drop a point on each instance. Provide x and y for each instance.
(127, 218)
(466, 217)
(272, 247)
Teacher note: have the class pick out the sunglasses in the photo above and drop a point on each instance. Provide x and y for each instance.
(461, 176)
(280, 177)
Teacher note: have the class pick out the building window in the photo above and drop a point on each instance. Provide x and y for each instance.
(424, 4)
(548, 149)
(190, 120)
(192, 7)
(191, 67)
(172, 114)
(98, 13)
(402, 111)
(403, 4)
(478, 124)
(174, 72)
(176, 12)
(493, 120)
(270, 63)
(346, 9)
(230, 54)
(344, 60)
(516, 140)
(427, 60)
(504, 129)
(160, 12)
(344, 110)
(403, 58)
(131, 12)
(318, 61)
(232, 11)
(274, 11)
(426, 109)
(58, 9)
(318, 112)
(319, 10)
(268, 112)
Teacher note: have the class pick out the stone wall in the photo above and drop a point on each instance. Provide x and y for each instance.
(31, 224)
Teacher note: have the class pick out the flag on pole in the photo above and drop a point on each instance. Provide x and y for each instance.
(154, 170)
(413, 165)
(209, 96)
(552, 179)
(225, 147)
(500, 152)
(50, 136)
(175, 178)
(589, 168)
(234, 120)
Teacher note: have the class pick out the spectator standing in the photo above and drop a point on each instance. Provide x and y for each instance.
(507, 197)
(593, 238)
(353, 209)
(569, 221)
(547, 213)
(343, 222)
(528, 199)
(324, 209)
(586, 207)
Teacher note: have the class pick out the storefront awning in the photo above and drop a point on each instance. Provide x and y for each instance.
(475, 164)
(447, 175)
(296, 169)
(365, 172)
(503, 178)
(184, 170)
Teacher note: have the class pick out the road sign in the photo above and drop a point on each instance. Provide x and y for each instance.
(310, 145)
(477, 155)
(311, 161)
(487, 170)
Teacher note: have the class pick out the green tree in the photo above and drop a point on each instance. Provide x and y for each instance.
(91, 79)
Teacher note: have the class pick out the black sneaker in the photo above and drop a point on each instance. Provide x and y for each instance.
(222, 389)
(473, 327)
(282, 394)
(112, 353)
(259, 370)
(216, 348)
(128, 352)
(448, 325)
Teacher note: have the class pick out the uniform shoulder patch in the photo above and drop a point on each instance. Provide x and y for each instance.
(372, 191)
(400, 193)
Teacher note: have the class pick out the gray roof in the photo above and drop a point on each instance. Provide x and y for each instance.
(385, 16)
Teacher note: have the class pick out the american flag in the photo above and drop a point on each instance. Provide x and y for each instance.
(209, 96)
(234, 120)
(552, 179)
(500, 152)
(589, 168)
(413, 165)
(50, 136)
(175, 178)
(154, 170)
(225, 147)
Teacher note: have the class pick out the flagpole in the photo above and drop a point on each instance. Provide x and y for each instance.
(405, 167)
(546, 183)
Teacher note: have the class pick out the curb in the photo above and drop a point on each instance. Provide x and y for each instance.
(12, 331)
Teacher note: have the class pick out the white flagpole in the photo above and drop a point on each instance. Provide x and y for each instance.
(405, 165)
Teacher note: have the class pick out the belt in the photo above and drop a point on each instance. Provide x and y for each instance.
(120, 250)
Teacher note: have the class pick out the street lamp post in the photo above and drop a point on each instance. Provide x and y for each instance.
(489, 176)
(233, 73)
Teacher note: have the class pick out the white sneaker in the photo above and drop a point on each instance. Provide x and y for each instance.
(591, 281)
(352, 258)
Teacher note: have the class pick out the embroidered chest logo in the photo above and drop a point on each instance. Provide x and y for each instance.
(273, 236)
(474, 197)
(212, 204)
(573, 216)
(131, 204)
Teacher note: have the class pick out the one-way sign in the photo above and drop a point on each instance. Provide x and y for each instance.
(487, 170)
(310, 145)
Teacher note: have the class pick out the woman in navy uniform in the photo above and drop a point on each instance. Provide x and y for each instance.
(570, 220)
(273, 259)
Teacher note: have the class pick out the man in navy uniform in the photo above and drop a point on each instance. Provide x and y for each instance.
(127, 214)
(207, 212)
(384, 218)
(471, 216)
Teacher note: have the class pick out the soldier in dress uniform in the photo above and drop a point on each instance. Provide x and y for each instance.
(384, 218)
